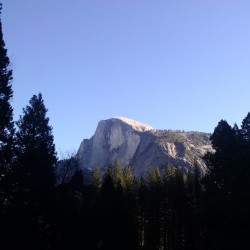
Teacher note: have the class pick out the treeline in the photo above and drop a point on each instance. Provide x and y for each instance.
(165, 210)
(119, 211)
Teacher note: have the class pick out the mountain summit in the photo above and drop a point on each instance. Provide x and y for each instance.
(138, 126)
(140, 146)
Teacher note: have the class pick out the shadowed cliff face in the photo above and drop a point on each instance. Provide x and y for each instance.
(140, 146)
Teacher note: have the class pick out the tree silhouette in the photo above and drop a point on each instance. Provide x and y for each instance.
(225, 201)
(245, 128)
(221, 162)
(6, 111)
(37, 156)
(66, 168)
(29, 213)
(128, 178)
(7, 132)
(117, 174)
(96, 180)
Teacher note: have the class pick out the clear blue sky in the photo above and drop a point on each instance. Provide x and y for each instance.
(174, 64)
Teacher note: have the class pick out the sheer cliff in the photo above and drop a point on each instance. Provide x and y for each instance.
(140, 146)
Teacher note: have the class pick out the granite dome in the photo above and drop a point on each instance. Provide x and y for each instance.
(140, 146)
(136, 125)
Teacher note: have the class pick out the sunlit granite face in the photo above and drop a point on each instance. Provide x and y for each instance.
(140, 146)
(138, 126)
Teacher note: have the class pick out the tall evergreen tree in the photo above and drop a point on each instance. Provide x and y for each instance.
(194, 183)
(153, 176)
(36, 156)
(244, 150)
(6, 135)
(6, 111)
(168, 207)
(142, 213)
(221, 162)
(225, 201)
(180, 210)
(31, 203)
(128, 178)
(96, 179)
(153, 232)
(244, 145)
(245, 128)
(118, 174)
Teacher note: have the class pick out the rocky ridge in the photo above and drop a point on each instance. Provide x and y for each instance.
(140, 146)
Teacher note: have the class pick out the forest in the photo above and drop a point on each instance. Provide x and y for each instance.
(166, 210)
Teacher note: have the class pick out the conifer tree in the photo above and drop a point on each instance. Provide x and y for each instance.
(153, 176)
(194, 183)
(117, 174)
(96, 180)
(154, 208)
(32, 198)
(221, 163)
(6, 111)
(180, 207)
(36, 151)
(223, 184)
(7, 132)
(168, 207)
(244, 145)
(128, 177)
(142, 213)
(245, 128)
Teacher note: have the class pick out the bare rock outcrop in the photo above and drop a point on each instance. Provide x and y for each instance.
(140, 146)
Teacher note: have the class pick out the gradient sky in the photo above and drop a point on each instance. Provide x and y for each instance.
(174, 64)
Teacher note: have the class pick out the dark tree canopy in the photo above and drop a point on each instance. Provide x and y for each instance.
(36, 149)
(222, 160)
(222, 137)
(6, 111)
(226, 196)
(245, 128)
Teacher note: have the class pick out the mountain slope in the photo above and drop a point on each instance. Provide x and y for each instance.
(140, 146)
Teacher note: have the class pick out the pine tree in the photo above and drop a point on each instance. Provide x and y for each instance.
(244, 146)
(117, 174)
(153, 176)
(245, 128)
(7, 132)
(36, 151)
(197, 174)
(154, 208)
(96, 180)
(221, 163)
(168, 211)
(32, 197)
(226, 193)
(128, 178)
(6, 111)
(142, 213)
(180, 207)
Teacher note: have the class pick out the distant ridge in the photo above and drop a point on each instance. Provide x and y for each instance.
(139, 145)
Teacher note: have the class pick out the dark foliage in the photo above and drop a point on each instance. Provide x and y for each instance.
(226, 199)
(6, 111)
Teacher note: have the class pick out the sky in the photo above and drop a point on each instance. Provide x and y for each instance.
(173, 64)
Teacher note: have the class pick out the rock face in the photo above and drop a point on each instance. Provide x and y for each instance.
(140, 146)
